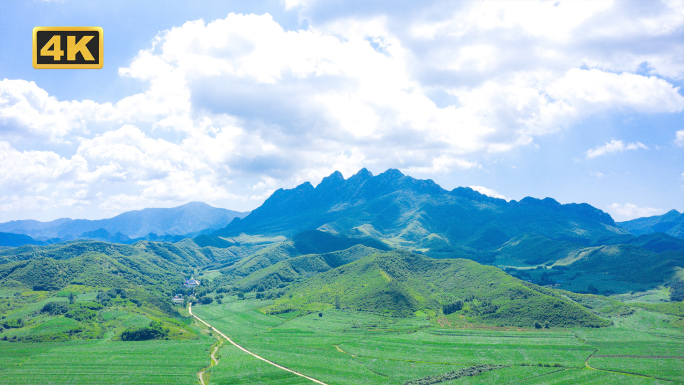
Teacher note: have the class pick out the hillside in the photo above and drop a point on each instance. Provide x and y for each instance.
(401, 284)
(189, 218)
(670, 223)
(300, 268)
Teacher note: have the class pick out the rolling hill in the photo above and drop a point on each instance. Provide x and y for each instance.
(400, 283)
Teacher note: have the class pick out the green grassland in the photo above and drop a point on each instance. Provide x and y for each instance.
(351, 347)
(103, 362)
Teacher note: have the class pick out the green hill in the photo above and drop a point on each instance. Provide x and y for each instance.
(630, 263)
(301, 268)
(400, 284)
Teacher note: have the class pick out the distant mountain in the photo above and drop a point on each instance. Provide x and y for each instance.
(191, 218)
(15, 240)
(670, 223)
(413, 214)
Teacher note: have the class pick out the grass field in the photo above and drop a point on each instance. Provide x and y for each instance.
(104, 362)
(345, 347)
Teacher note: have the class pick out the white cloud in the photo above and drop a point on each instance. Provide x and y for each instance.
(235, 107)
(488, 192)
(614, 146)
(28, 110)
(679, 140)
(628, 211)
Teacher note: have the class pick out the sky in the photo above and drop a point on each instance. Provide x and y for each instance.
(225, 102)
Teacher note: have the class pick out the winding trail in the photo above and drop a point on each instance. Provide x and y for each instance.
(214, 362)
(250, 353)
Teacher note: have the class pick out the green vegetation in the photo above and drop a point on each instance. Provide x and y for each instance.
(319, 242)
(401, 284)
(100, 362)
(152, 332)
(346, 346)
(467, 372)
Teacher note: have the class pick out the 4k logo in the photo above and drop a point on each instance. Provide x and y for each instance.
(67, 47)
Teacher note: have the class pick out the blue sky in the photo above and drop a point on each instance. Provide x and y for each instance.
(224, 102)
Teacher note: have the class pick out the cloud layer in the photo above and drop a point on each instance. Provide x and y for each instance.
(236, 107)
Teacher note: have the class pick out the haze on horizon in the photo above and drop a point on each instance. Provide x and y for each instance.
(225, 103)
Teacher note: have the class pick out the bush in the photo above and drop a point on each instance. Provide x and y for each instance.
(677, 291)
(13, 323)
(154, 331)
(55, 308)
(452, 307)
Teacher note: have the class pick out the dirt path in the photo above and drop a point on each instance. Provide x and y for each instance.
(250, 353)
(212, 363)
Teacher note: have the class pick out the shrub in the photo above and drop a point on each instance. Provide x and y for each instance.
(677, 291)
(13, 323)
(151, 332)
(55, 308)
(452, 307)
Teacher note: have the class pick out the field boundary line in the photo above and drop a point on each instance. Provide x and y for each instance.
(586, 363)
(254, 354)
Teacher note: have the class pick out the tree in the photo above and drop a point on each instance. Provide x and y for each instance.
(337, 301)
(240, 295)
(71, 298)
(677, 290)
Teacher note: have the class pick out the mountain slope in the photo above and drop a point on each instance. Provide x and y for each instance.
(188, 218)
(670, 223)
(401, 283)
(301, 268)
(419, 215)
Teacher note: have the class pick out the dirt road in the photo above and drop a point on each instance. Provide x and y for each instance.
(252, 354)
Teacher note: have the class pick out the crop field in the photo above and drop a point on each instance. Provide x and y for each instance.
(346, 347)
(104, 362)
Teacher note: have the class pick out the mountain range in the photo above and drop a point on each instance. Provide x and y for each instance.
(420, 215)
(157, 224)
(670, 223)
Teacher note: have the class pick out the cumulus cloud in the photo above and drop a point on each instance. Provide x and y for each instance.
(629, 211)
(235, 107)
(614, 146)
(679, 140)
(489, 192)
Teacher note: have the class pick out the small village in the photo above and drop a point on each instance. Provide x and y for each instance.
(188, 283)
